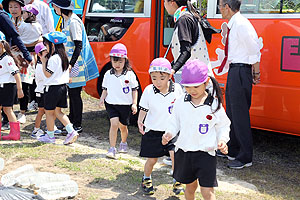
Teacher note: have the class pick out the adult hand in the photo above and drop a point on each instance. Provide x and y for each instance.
(222, 146)
(256, 78)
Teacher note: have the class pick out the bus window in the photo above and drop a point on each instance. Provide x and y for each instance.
(269, 7)
(116, 6)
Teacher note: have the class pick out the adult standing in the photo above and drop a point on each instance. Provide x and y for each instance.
(188, 41)
(244, 57)
(45, 16)
(13, 38)
(82, 60)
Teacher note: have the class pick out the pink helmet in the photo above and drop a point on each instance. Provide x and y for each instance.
(194, 73)
(160, 65)
(118, 50)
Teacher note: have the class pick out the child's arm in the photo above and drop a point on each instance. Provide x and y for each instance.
(134, 101)
(44, 61)
(19, 85)
(140, 121)
(102, 98)
(223, 129)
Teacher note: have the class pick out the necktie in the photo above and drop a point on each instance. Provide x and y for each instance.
(226, 53)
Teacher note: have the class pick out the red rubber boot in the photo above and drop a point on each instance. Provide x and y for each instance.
(14, 133)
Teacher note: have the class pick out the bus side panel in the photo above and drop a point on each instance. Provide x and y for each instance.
(275, 103)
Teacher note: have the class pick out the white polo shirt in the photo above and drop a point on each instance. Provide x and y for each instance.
(119, 88)
(8, 69)
(39, 78)
(159, 106)
(58, 76)
(30, 32)
(200, 128)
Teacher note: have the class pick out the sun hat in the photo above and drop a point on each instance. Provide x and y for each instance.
(118, 50)
(6, 2)
(160, 65)
(56, 37)
(63, 4)
(2, 36)
(31, 8)
(39, 48)
(194, 73)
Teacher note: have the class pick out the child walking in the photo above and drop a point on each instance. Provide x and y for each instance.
(56, 70)
(119, 96)
(156, 107)
(204, 127)
(10, 85)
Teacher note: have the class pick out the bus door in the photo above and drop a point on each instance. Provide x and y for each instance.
(275, 102)
(108, 22)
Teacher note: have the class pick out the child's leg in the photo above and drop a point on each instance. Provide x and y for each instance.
(50, 116)
(172, 158)
(208, 193)
(62, 117)
(124, 132)
(149, 166)
(10, 114)
(113, 131)
(190, 190)
(38, 118)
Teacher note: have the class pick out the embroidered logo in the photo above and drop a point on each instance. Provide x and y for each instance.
(170, 109)
(203, 128)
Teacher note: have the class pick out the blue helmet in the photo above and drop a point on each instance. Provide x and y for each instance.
(56, 37)
(2, 36)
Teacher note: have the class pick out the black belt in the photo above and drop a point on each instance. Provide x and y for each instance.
(240, 65)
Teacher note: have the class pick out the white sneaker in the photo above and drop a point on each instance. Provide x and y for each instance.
(21, 118)
(37, 132)
(167, 161)
(32, 106)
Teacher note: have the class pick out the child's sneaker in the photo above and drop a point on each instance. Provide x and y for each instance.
(32, 106)
(71, 138)
(21, 118)
(147, 186)
(37, 132)
(123, 148)
(178, 188)
(167, 161)
(45, 138)
(111, 153)
(170, 173)
(5, 126)
(57, 131)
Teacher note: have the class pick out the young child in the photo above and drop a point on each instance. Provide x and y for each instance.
(204, 127)
(30, 30)
(10, 85)
(120, 97)
(156, 105)
(56, 70)
(40, 78)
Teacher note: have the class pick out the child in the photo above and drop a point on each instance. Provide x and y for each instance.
(10, 85)
(56, 70)
(204, 127)
(41, 51)
(120, 97)
(156, 105)
(30, 30)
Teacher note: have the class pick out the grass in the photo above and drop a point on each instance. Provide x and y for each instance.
(275, 172)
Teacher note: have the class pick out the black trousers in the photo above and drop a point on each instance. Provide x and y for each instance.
(238, 101)
(76, 106)
(25, 99)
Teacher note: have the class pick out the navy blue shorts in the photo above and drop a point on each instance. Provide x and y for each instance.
(192, 165)
(123, 112)
(40, 99)
(8, 94)
(151, 146)
(55, 96)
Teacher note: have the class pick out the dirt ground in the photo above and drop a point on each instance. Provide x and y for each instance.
(274, 175)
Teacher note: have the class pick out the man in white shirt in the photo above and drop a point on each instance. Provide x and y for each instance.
(244, 57)
(45, 16)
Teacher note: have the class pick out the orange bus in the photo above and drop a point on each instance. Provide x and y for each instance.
(146, 30)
